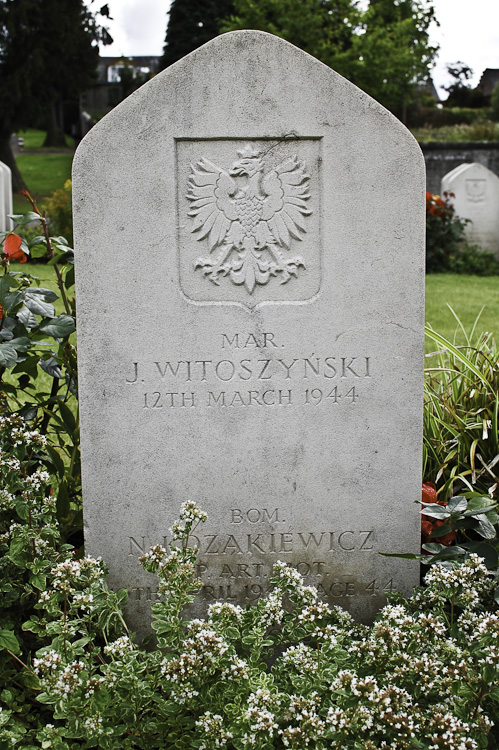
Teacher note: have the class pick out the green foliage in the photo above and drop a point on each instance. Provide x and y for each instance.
(59, 207)
(494, 104)
(48, 55)
(191, 24)
(461, 94)
(444, 233)
(287, 672)
(385, 49)
(461, 414)
(480, 130)
(28, 323)
(446, 248)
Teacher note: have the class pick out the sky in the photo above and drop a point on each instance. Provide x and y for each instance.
(468, 31)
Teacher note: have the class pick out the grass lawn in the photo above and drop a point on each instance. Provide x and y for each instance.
(42, 172)
(467, 295)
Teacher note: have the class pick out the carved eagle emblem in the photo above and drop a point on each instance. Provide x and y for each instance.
(249, 219)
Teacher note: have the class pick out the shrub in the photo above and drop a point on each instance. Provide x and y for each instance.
(444, 233)
(287, 672)
(461, 415)
(59, 209)
(446, 248)
(494, 103)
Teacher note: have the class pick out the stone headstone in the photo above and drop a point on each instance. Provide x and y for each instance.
(249, 230)
(5, 198)
(476, 197)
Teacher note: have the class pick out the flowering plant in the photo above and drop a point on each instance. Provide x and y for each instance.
(287, 672)
(34, 341)
(444, 233)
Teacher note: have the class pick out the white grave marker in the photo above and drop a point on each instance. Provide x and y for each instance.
(476, 197)
(249, 229)
(5, 197)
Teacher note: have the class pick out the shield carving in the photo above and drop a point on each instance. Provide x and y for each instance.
(476, 190)
(248, 218)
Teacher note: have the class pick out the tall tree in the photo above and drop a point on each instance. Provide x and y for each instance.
(384, 49)
(393, 55)
(192, 23)
(48, 51)
(324, 28)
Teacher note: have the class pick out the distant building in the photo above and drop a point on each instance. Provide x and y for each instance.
(107, 91)
(488, 81)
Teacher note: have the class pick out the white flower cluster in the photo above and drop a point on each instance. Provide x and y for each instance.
(377, 709)
(120, 647)
(464, 584)
(261, 716)
(306, 727)
(213, 731)
(189, 514)
(272, 610)
(65, 574)
(201, 656)
(293, 582)
(156, 555)
(237, 669)
(189, 511)
(6, 500)
(93, 724)
(69, 572)
(302, 658)
(21, 436)
(47, 662)
(37, 479)
(10, 462)
(225, 611)
(84, 601)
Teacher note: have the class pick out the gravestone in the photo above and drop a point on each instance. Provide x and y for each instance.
(249, 233)
(476, 197)
(5, 197)
(6, 208)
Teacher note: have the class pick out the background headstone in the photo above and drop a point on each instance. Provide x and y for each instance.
(5, 198)
(476, 197)
(249, 229)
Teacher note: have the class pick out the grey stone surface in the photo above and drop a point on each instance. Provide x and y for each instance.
(249, 233)
(5, 197)
(476, 197)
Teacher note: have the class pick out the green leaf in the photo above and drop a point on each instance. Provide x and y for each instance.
(47, 294)
(7, 282)
(39, 307)
(455, 352)
(38, 240)
(8, 355)
(70, 278)
(9, 641)
(59, 327)
(435, 511)
(51, 367)
(457, 504)
(487, 551)
(67, 417)
(57, 461)
(485, 528)
(62, 504)
(27, 318)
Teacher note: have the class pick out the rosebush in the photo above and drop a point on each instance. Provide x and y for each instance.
(446, 247)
